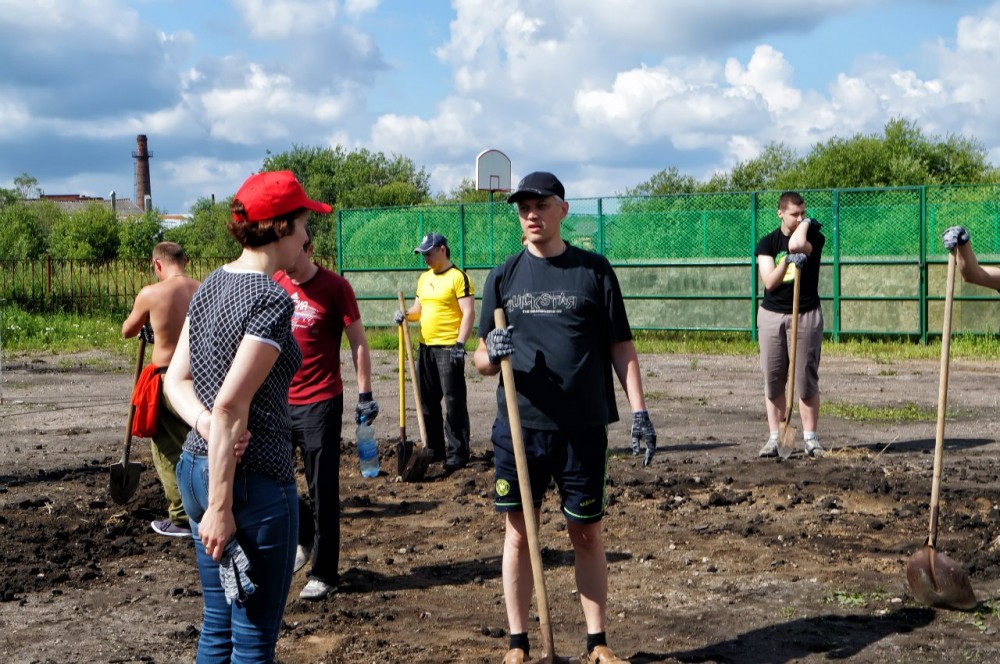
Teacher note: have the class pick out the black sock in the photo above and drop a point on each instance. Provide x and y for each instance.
(520, 641)
(594, 640)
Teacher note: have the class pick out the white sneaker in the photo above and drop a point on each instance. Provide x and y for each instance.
(770, 448)
(813, 448)
(301, 558)
(316, 590)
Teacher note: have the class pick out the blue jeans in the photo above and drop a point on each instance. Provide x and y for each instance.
(267, 521)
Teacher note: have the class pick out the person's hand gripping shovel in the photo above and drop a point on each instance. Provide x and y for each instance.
(786, 434)
(527, 503)
(125, 474)
(934, 578)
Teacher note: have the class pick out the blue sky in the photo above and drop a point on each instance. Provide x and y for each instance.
(605, 93)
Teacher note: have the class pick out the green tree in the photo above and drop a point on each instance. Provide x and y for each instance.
(205, 234)
(466, 192)
(27, 187)
(90, 234)
(20, 236)
(138, 235)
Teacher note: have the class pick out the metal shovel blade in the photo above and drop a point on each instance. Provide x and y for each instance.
(124, 480)
(937, 580)
(786, 441)
(403, 449)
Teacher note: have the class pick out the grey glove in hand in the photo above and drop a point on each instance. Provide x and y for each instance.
(798, 260)
(146, 333)
(398, 317)
(500, 343)
(233, 573)
(813, 222)
(643, 432)
(366, 410)
(955, 236)
(458, 353)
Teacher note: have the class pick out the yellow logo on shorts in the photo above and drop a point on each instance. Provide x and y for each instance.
(503, 487)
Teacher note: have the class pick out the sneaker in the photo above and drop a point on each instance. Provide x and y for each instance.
(603, 655)
(813, 448)
(770, 448)
(514, 656)
(316, 590)
(302, 555)
(169, 528)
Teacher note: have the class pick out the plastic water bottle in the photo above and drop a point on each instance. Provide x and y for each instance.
(367, 450)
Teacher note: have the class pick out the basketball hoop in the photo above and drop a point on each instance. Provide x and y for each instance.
(492, 171)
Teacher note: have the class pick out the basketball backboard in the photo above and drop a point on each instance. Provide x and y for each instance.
(492, 171)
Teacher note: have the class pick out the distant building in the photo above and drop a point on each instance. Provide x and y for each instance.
(70, 203)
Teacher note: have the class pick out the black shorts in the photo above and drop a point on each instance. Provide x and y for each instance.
(577, 461)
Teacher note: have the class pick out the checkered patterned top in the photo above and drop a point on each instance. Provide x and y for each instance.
(228, 307)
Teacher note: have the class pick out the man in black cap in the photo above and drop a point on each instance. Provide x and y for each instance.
(445, 306)
(567, 329)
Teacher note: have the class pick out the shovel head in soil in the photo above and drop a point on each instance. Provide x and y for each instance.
(413, 462)
(125, 474)
(786, 440)
(937, 580)
(403, 449)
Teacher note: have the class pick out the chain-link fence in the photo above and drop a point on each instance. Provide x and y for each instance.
(686, 262)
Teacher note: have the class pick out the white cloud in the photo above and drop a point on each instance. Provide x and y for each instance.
(283, 19)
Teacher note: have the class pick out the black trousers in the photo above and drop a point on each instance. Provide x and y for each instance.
(316, 429)
(441, 378)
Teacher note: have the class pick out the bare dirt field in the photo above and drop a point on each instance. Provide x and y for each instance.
(715, 556)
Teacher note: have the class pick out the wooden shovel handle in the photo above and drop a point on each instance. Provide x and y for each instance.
(527, 502)
(790, 401)
(413, 374)
(140, 358)
(942, 408)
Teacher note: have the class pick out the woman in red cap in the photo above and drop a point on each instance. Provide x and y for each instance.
(230, 375)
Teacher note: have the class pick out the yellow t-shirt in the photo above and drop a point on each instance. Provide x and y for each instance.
(440, 315)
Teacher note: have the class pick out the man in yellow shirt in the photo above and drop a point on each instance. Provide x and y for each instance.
(445, 306)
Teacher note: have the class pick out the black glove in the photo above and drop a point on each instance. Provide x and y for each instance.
(458, 353)
(366, 410)
(813, 222)
(146, 333)
(398, 317)
(798, 260)
(233, 573)
(953, 237)
(643, 432)
(500, 343)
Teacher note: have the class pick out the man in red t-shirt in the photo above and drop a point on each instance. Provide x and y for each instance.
(325, 308)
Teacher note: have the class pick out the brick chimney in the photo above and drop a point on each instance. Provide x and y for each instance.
(143, 192)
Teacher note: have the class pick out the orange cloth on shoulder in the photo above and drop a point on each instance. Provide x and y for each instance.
(146, 399)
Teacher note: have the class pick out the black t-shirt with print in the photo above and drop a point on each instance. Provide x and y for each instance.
(229, 306)
(567, 311)
(775, 245)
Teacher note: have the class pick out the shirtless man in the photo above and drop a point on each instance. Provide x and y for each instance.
(162, 308)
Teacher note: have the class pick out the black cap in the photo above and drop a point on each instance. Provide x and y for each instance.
(538, 185)
(430, 241)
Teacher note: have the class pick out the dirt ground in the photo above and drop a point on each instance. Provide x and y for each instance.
(714, 555)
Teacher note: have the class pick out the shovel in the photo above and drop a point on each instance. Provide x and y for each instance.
(527, 504)
(934, 578)
(786, 436)
(125, 473)
(419, 457)
(403, 447)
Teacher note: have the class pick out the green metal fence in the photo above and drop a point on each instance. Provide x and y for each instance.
(686, 262)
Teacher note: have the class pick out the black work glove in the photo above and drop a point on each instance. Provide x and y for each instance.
(233, 573)
(398, 317)
(458, 353)
(366, 410)
(146, 333)
(798, 260)
(500, 343)
(955, 236)
(643, 432)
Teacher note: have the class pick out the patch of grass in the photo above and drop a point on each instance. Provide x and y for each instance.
(59, 333)
(907, 413)
(845, 598)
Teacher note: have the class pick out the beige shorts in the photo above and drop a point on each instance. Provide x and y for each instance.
(774, 333)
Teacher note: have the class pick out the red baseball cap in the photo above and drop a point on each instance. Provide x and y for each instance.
(274, 194)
